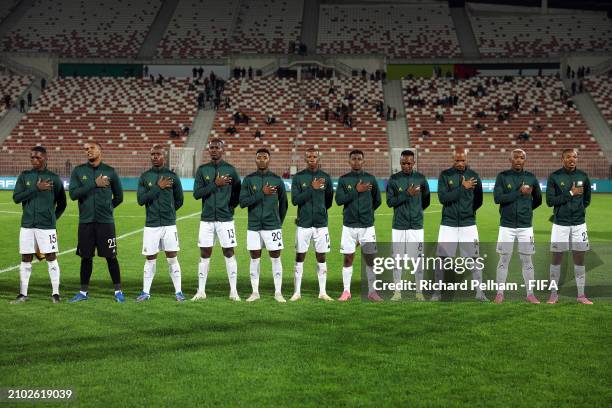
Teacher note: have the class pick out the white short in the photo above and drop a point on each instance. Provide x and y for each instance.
(408, 242)
(33, 240)
(272, 239)
(224, 230)
(450, 237)
(562, 236)
(366, 237)
(507, 236)
(320, 236)
(155, 239)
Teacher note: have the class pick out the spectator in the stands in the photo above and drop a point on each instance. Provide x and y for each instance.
(536, 109)
(160, 79)
(524, 137)
(230, 130)
(43, 84)
(257, 135)
(194, 72)
(200, 72)
(425, 133)
(22, 105)
(270, 120)
(573, 88)
(439, 117)
(174, 134)
(394, 114)
(186, 131)
(250, 73)
(146, 71)
(7, 101)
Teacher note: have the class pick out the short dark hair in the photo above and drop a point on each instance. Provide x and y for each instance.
(407, 153)
(216, 140)
(39, 149)
(566, 151)
(356, 151)
(262, 150)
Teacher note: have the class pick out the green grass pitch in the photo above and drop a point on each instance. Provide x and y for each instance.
(220, 353)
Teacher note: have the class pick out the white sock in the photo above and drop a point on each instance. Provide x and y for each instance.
(149, 272)
(502, 270)
(528, 272)
(299, 271)
(277, 273)
(555, 275)
(54, 275)
(371, 278)
(397, 275)
(477, 276)
(232, 273)
(322, 275)
(25, 270)
(203, 274)
(580, 273)
(418, 278)
(347, 273)
(254, 272)
(175, 273)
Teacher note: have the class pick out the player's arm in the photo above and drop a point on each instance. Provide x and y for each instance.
(202, 189)
(144, 195)
(536, 195)
(283, 203)
(117, 190)
(300, 196)
(447, 195)
(425, 195)
(477, 203)
(394, 197)
(586, 193)
(344, 195)
(60, 197)
(235, 197)
(77, 189)
(22, 192)
(500, 196)
(329, 192)
(554, 195)
(376, 198)
(177, 191)
(247, 197)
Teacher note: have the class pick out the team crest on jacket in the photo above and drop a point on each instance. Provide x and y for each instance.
(303, 184)
(27, 183)
(562, 184)
(450, 182)
(84, 177)
(207, 178)
(254, 188)
(400, 189)
(349, 187)
(509, 185)
(150, 184)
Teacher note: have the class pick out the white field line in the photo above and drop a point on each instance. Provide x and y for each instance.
(12, 268)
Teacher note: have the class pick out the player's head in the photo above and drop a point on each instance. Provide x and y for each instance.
(158, 156)
(38, 157)
(215, 148)
(262, 158)
(356, 160)
(570, 156)
(517, 159)
(312, 158)
(459, 159)
(93, 151)
(407, 161)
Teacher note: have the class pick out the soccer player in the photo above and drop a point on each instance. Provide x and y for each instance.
(313, 193)
(408, 195)
(218, 185)
(568, 190)
(263, 192)
(43, 199)
(358, 192)
(160, 191)
(98, 189)
(460, 193)
(518, 193)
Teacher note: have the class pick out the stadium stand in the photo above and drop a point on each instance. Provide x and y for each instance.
(534, 35)
(555, 127)
(13, 86)
(600, 88)
(268, 25)
(126, 115)
(299, 126)
(199, 29)
(402, 31)
(7, 8)
(79, 28)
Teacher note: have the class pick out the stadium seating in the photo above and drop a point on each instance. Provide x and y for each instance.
(12, 85)
(559, 125)
(299, 126)
(534, 35)
(425, 30)
(79, 28)
(268, 25)
(600, 88)
(126, 115)
(199, 29)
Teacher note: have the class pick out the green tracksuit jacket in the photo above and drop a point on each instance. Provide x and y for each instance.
(41, 209)
(568, 210)
(266, 212)
(218, 203)
(161, 204)
(95, 204)
(459, 205)
(516, 209)
(359, 208)
(312, 204)
(407, 209)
